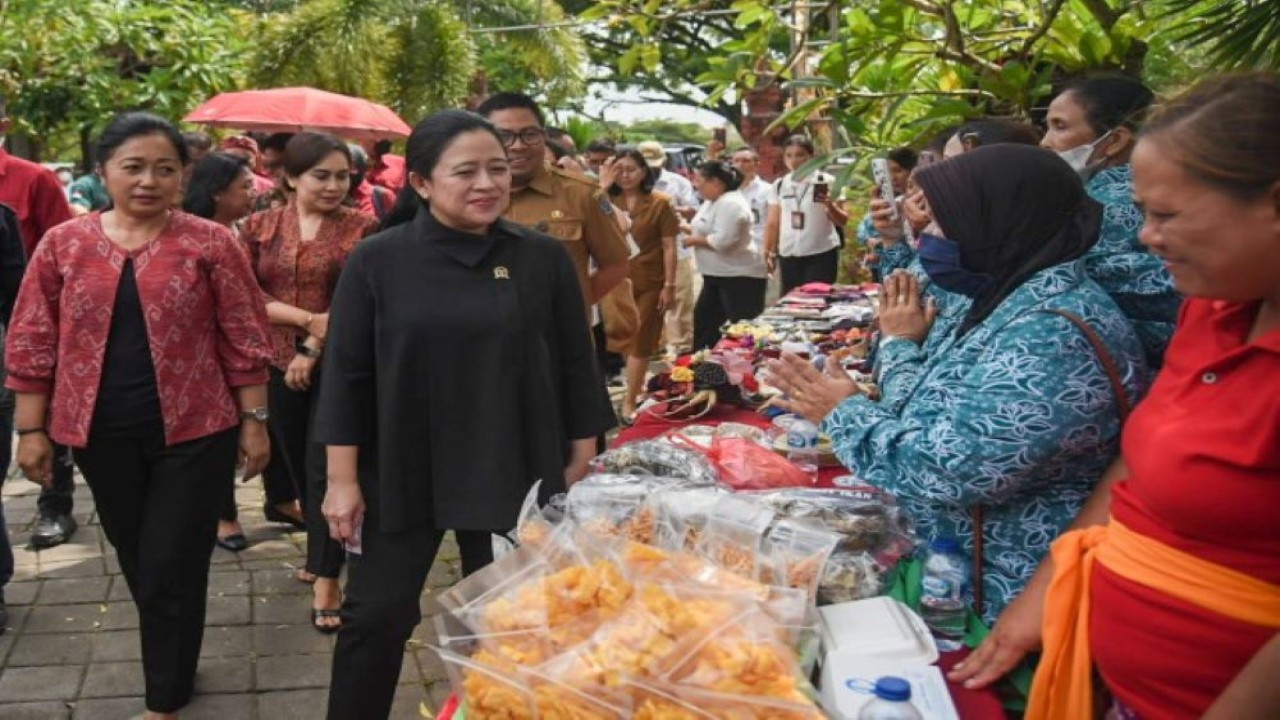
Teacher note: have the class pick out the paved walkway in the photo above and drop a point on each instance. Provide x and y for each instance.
(71, 649)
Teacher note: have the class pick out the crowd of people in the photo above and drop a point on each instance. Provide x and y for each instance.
(1077, 329)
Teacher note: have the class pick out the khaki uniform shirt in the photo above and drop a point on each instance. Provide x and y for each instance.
(572, 208)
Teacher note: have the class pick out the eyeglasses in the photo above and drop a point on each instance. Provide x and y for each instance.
(528, 136)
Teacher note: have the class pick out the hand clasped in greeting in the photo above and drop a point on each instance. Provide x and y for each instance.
(810, 393)
(902, 314)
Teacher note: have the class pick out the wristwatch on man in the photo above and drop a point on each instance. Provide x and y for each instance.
(259, 413)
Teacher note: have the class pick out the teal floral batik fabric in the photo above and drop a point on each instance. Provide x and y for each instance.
(1018, 416)
(1137, 280)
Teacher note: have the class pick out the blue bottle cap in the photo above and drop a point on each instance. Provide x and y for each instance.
(945, 545)
(893, 689)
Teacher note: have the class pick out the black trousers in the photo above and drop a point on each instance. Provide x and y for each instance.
(304, 462)
(797, 271)
(721, 299)
(275, 481)
(382, 607)
(159, 509)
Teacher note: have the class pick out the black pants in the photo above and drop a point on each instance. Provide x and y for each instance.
(304, 461)
(159, 509)
(380, 610)
(797, 271)
(59, 497)
(275, 481)
(721, 299)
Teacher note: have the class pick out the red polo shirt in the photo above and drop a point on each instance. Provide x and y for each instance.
(34, 193)
(387, 172)
(1203, 452)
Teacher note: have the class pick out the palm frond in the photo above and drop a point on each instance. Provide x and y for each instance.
(1240, 34)
(431, 61)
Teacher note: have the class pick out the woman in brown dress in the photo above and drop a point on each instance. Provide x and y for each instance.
(297, 252)
(629, 181)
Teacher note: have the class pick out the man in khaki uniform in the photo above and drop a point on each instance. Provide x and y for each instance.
(564, 204)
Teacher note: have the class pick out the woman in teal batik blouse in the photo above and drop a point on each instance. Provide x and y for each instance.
(1012, 410)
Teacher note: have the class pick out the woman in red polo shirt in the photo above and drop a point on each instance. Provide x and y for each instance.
(139, 339)
(1172, 585)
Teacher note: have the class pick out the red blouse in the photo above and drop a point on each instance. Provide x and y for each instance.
(297, 273)
(205, 320)
(1203, 452)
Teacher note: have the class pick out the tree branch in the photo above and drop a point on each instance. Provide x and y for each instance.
(913, 93)
(1045, 25)
(1103, 12)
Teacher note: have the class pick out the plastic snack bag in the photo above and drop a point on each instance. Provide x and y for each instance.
(558, 696)
(733, 536)
(490, 691)
(682, 515)
(614, 506)
(659, 459)
(797, 554)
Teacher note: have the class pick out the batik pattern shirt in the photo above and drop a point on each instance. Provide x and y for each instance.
(1137, 280)
(1017, 416)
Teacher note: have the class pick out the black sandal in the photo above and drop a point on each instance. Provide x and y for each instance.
(318, 614)
(233, 543)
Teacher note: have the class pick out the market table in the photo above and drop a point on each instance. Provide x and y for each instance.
(970, 704)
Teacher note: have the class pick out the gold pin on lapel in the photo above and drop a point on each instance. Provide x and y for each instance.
(557, 214)
(501, 273)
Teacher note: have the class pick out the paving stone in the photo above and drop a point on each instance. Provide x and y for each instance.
(40, 683)
(408, 701)
(18, 615)
(278, 582)
(79, 590)
(224, 675)
(269, 640)
(269, 549)
(7, 641)
(288, 564)
(117, 646)
(293, 705)
(288, 672)
(112, 564)
(21, 593)
(89, 567)
(409, 670)
(120, 616)
(229, 610)
(229, 582)
(281, 609)
(430, 666)
(84, 544)
(119, 589)
(119, 679)
(34, 711)
(55, 649)
(24, 556)
(220, 707)
(443, 575)
(121, 708)
(78, 618)
(24, 573)
(227, 642)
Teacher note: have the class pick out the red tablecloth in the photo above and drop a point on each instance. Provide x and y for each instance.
(971, 704)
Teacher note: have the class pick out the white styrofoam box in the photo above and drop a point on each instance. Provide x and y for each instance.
(848, 683)
(879, 629)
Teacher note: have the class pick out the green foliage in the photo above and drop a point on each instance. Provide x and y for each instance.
(547, 61)
(1236, 33)
(665, 131)
(94, 58)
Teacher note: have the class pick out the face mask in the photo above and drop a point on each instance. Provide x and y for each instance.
(940, 259)
(1078, 157)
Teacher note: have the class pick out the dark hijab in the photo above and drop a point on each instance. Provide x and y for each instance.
(1014, 210)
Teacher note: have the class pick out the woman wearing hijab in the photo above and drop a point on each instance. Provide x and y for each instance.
(1015, 413)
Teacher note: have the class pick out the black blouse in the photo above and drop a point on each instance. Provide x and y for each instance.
(461, 367)
(128, 399)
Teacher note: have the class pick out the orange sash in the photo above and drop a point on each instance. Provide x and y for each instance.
(1063, 688)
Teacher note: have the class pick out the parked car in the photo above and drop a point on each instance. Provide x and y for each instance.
(682, 158)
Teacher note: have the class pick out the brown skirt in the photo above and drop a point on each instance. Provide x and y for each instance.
(649, 336)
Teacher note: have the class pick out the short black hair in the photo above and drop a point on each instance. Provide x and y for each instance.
(382, 147)
(213, 174)
(557, 149)
(197, 139)
(427, 143)
(650, 174)
(1112, 101)
(308, 149)
(126, 126)
(905, 157)
(276, 142)
(602, 145)
(998, 130)
(722, 171)
(511, 101)
(800, 141)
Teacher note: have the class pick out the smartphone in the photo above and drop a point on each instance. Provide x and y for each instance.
(721, 135)
(880, 173)
(926, 158)
(971, 141)
(821, 192)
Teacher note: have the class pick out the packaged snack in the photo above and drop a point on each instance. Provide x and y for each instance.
(657, 458)
(796, 555)
(559, 695)
(614, 506)
(492, 691)
(733, 536)
(849, 576)
(682, 515)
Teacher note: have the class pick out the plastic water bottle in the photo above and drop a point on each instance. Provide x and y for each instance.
(946, 573)
(802, 447)
(892, 702)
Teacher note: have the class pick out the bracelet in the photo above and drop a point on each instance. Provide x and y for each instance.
(29, 431)
(309, 352)
(306, 325)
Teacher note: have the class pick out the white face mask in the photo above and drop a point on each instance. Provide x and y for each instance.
(1078, 157)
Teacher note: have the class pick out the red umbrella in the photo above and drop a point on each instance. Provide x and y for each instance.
(297, 109)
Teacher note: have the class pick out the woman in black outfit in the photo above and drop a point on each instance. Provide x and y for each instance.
(459, 373)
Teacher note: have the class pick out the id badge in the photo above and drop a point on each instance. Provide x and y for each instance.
(797, 220)
(755, 216)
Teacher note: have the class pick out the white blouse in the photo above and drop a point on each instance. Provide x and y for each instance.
(726, 223)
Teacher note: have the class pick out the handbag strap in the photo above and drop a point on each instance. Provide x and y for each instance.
(1123, 408)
